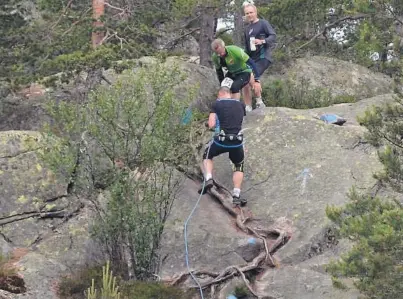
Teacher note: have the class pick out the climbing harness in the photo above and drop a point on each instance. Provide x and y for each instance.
(222, 136)
(229, 137)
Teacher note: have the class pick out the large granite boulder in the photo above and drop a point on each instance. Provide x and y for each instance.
(339, 76)
(295, 166)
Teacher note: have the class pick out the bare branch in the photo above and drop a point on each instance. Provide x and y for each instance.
(122, 11)
(76, 22)
(390, 10)
(108, 36)
(114, 7)
(218, 33)
(334, 24)
(62, 14)
(176, 40)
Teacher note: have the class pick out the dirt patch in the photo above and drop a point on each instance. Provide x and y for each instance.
(10, 280)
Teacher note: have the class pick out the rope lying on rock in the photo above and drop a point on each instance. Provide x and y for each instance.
(185, 231)
(282, 234)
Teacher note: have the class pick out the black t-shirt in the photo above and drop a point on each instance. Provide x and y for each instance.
(230, 114)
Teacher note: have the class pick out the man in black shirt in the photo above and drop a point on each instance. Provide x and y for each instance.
(226, 116)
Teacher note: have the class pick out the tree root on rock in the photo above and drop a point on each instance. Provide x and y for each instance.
(281, 231)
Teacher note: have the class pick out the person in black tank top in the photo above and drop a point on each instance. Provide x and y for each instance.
(226, 116)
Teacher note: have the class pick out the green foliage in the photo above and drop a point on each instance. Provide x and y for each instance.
(127, 140)
(109, 288)
(375, 262)
(288, 22)
(153, 290)
(375, 224)
(225, 36)
(241, 291)
(385, 127)
(368, 27)
(368, 42)
(299, 95)
(74, 286)
(55, 36)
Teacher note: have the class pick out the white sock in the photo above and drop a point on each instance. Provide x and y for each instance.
(236, 192)
(208, 176)
(259, 100)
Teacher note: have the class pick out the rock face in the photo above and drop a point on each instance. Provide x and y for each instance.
(295, 166)
(37, 214)
(29, 191)
(341, 77)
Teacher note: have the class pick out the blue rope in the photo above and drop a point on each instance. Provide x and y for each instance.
(185, 232)
(191, 214)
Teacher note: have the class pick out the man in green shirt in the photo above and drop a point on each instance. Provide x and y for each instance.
(239, 68)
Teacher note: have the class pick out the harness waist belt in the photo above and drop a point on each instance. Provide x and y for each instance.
(229, 137)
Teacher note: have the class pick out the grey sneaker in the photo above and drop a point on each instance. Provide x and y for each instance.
(236, 200)
(209, 184)
(260, 105)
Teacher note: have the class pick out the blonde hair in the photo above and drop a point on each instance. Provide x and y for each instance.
(248, 3)
(216, 43)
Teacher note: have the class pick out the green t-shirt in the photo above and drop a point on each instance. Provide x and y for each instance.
(235, 60)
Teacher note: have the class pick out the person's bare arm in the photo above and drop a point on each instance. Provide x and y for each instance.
(211, 120)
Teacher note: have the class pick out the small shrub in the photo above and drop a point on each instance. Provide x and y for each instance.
(75, 285)
(300, 95)
(153, 290)
(137, 121)
(241, 292)
(282, 57)
(344, 98)
(86, 284)
(109, 289)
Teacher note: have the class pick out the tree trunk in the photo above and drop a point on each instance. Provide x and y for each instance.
(207, 30)
(238, 28)
(215, 26)
(98, 10)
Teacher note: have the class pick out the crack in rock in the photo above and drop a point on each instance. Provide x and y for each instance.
(19, 154)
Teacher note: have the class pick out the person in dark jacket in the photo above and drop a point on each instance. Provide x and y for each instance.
(260, 37)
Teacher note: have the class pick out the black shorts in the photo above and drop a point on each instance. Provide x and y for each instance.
(235, 151)
(262, 65)
(240, 81)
